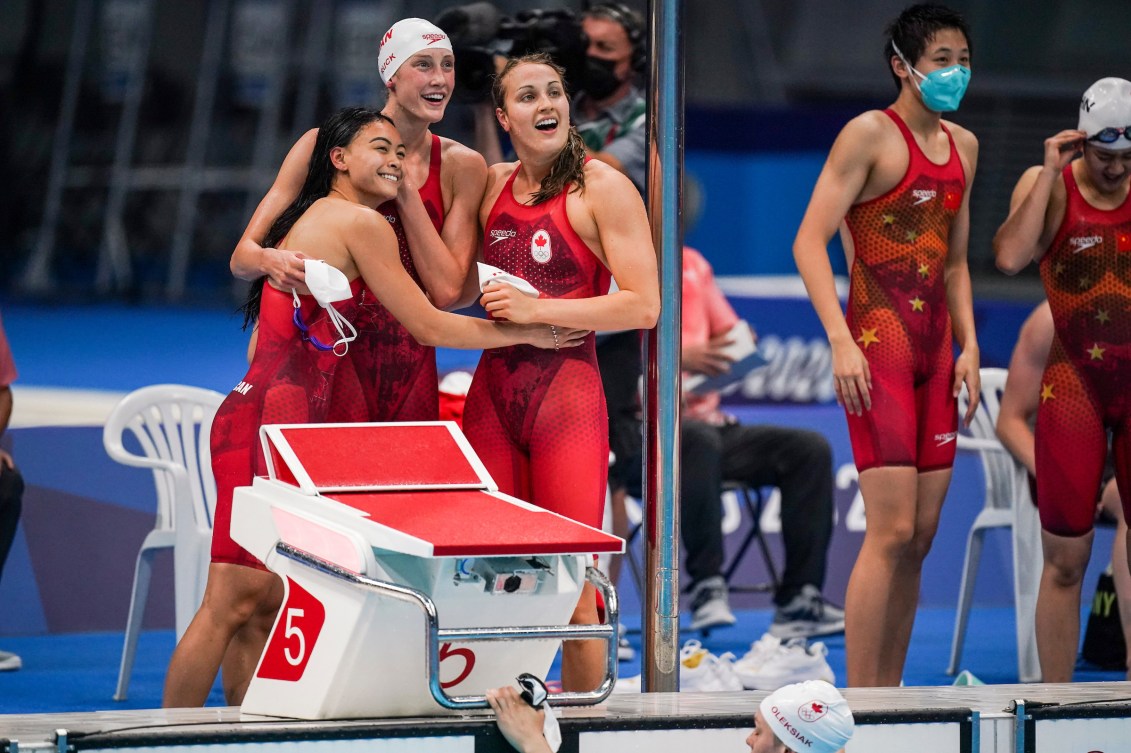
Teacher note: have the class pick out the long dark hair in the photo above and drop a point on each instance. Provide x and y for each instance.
(338, 130)
(569, 167)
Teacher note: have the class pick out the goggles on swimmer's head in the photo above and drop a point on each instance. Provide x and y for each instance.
(1111, 135)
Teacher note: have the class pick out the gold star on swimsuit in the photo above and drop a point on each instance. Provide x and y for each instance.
(912, 235)
(867, 337)
(1046, 392)
(1058, 268)
(889, 219)
(1102, 316)
(1085, 281)
(916, 303)
(924, 270)
(1096, 352)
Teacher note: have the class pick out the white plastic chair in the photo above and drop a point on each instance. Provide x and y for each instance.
(171, 423)
(1008, 504)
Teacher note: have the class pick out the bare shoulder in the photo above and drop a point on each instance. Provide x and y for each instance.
(498, 173)
(864, 139)
(964, 138)
(605, 180)
(460, 157)
(868, 128)
(358, 220)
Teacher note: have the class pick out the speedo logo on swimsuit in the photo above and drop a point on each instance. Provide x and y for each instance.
(1084, 242)
(243, 388)
(947, 438)
(923, 195)
(502, 235)
(391, 219)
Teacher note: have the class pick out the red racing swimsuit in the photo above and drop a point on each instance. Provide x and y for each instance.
(400, 373)
(897, 312)
(1086, 388)
(536, 417)
(289, 381)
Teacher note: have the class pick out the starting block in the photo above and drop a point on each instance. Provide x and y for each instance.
(412, 584)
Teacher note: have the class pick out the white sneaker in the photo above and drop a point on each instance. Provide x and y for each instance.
(751, 662)
(701, 671)
(793, 661)
(9, 662)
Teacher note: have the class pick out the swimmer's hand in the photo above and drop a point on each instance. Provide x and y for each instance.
(504, 301)
(285, 268)
(546, 336)
(1062, 149)
(966, 372)
(520, 724)
(852, 379)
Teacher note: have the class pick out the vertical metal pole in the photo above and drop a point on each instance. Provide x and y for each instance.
(115, 270)
(199, 130)
(38, 277)
(662, 373)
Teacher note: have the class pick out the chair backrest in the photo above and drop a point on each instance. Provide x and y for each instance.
(998, 465)
(171, 423)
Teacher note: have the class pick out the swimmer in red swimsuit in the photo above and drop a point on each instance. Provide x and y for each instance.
(1073, 217)
(897, 185)
(433, 215)
(537, 418)
(298, 375)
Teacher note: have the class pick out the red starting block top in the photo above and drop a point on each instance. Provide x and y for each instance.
(372, 456)
(470, 523)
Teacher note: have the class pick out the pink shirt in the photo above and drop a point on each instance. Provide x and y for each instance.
(7, 366)
(706, 313)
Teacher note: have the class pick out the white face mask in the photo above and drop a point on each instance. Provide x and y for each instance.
(329, 284)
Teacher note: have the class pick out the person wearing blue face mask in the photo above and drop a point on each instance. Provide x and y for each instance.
(897, 187)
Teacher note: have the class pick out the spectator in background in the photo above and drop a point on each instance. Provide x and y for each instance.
(1073, 217)
(1019, 404)
(11, 482)
(715, 448)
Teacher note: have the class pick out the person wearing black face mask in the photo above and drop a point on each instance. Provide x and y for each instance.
(610, 110)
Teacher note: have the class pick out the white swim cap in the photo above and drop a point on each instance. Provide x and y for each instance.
(1105, 111)
(404, 39)
(809, 717)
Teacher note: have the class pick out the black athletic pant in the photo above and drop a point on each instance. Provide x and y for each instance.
(797, 461)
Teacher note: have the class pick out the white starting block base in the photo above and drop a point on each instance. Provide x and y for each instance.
(392, 541)
(1094, 716)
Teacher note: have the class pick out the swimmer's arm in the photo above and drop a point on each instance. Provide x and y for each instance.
(959, 292)
(443, 259)
(1027, 232)
(373, 247)
(840, 183)
(250, 260)
(1022, 394)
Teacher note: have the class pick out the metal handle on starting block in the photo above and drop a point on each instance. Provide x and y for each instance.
(437, 635)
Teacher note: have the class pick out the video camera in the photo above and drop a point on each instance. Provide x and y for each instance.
(479, 32)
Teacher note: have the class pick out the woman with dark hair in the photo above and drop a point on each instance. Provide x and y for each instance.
(537, 418)
(432, 214)
(303, 372)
